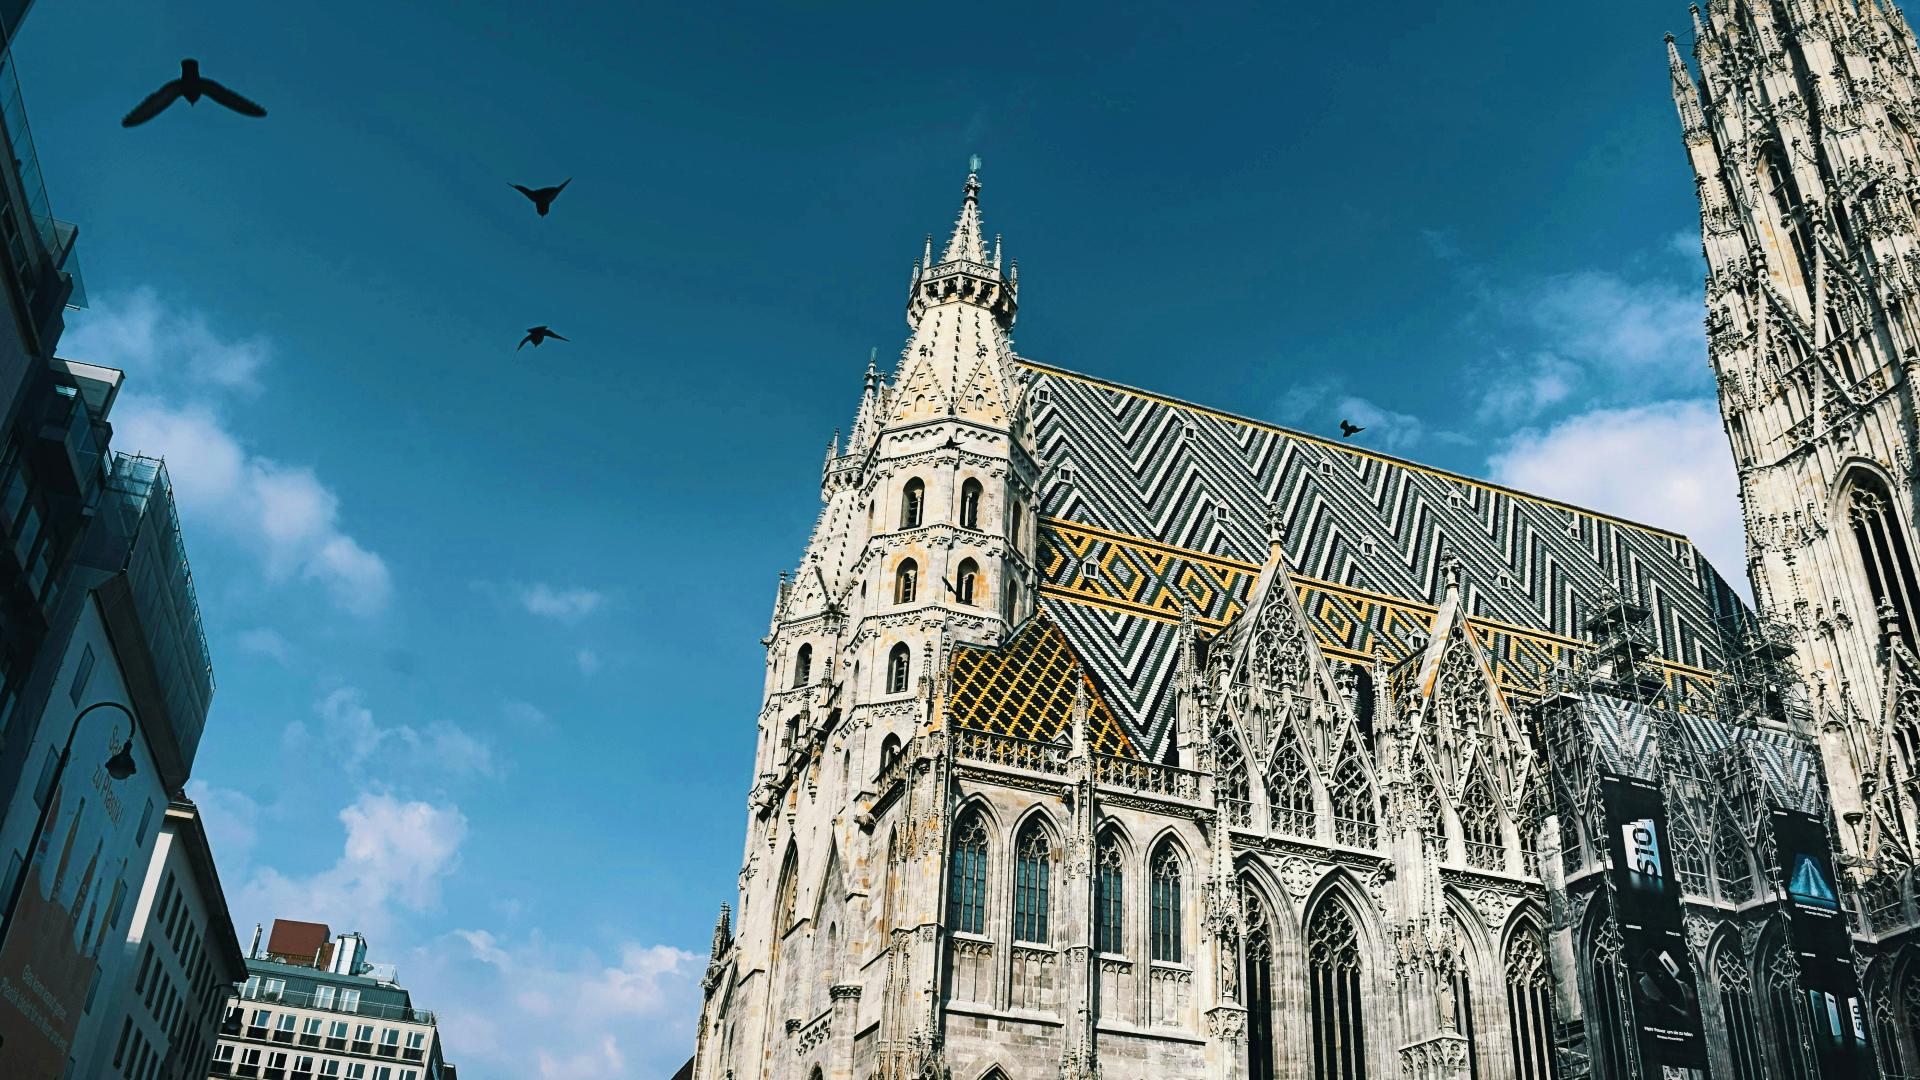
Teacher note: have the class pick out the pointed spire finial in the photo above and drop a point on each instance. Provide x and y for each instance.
(966, 242)
(973, 164)
(1450, 572)
(1276, 528)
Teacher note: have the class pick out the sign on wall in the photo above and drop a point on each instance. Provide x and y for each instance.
(1836, 1013)
(1667, 1030)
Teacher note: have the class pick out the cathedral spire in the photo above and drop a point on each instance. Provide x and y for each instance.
(966, 244)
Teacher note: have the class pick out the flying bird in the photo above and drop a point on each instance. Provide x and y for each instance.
(543, 197)
(536, 335)
(190, 85)
(1348, 431)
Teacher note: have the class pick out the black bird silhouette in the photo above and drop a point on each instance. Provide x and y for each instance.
(190, 85)
(543, 197)
(536, 335)
(1348, 431)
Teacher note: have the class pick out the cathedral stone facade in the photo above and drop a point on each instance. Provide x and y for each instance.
(1109, 735)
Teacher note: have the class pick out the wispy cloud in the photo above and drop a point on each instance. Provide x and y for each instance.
(587, 661)
(349, 731)
(1320, 406)
(566, 604)
(525, 714)
(264, 641)
(283, 512)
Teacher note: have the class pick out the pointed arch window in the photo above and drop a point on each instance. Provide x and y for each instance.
(966, 581)
(890, 892)
(803, 666)
(1606, 996)
(1885, 551)
(1786, 1018)
(906, 582)
(1290, 790)
(1230, 777)
(1032, 875)
(1257, 978)
(967, 891)
(786, 897)
(1734, 982)
(1355, 810)
(1480, 824)
(1333, 976)
(899, 668)
(970, 504)
(913, 503)
(1529, 1004)
(1166, 905)
(1109, 891)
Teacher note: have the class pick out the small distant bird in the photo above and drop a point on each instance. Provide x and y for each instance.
(190, 85)
(1348, 431)
(536, 335)
(543, 197)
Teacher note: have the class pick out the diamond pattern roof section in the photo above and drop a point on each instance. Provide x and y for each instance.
(1147, 499)
(1025, 688)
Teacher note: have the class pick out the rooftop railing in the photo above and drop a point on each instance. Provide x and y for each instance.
(302, 1000)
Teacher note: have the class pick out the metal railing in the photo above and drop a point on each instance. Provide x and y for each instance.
(364, 1008)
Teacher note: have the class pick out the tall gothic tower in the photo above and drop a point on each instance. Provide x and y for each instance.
(1802, 130)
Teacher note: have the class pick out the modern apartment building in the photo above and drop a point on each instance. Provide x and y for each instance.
(312, 1007)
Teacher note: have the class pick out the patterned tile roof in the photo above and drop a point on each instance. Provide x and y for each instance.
(1148, 500)
(1026, 688)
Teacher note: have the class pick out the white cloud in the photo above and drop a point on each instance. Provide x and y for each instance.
(587, 660)
(138, 334)
(629, 1010)
(396, 855)
(565, 604)
(264, 641)
(349, 730)
(1664, 464)
(282, 511)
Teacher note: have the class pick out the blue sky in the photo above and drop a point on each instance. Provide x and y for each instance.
(485, 623)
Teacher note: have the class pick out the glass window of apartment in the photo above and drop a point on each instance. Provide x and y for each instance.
(350, 1000)
(250, 1056)
(287, 1022)
(29, 532)
(260, 1018)
(330, 1067)
(390, 1037)
(383, 1072)
(303, 1063)
(409, 1074)
(416, 1042)
(81, 673)
(323, 997)
(273, 989)
(252, 989)
(338, 1030)
(356, 1071)
(44, 786)
(277, 1059)
(313, 1026)
(363, 1034)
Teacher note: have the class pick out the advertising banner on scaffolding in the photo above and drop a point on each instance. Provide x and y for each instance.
(1660, 982)
(1836, 1013)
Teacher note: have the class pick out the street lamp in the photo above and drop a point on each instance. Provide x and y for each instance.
(119, 766)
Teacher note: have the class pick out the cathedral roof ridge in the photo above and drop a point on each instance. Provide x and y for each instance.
(1332, 444)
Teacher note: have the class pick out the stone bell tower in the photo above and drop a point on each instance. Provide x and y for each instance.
(1801, 127)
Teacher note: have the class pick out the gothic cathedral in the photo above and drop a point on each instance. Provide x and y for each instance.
(1107, 735)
